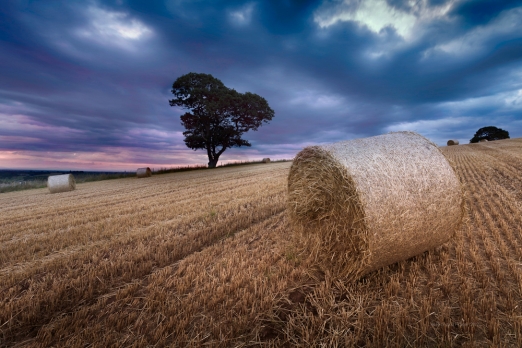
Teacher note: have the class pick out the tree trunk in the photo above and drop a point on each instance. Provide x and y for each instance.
(213, 157)
(212, 163)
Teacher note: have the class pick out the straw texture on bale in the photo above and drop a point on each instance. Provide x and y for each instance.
(453, 142)
(363, 204)
(143, 172)
(266, 160)
(61, 183)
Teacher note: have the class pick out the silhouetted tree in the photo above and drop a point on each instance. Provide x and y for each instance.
(489, 133)
(218, 115)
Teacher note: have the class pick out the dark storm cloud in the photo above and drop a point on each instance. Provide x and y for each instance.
(482, 11)
(405, 76)
(95, 76)
(66, 82)
(287, 17)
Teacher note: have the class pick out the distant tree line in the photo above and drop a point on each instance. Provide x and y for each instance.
(489, 133)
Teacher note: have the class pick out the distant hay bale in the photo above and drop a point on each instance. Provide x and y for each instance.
(453, 142)
(143, 172)
(483, 140)
(266, 160)
(363, 204)
(61, 183)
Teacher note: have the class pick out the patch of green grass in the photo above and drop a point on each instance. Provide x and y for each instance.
(293, 257)
(24, 186)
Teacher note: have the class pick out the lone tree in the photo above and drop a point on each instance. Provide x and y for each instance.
(218, 115)
(489, 133)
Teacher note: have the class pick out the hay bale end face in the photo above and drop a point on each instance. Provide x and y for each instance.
(363, 204)
(453, 142)
(61, 183)
(266, 160)
(143, 172)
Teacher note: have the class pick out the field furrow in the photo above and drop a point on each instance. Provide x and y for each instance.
(231, 275)
(68, 231)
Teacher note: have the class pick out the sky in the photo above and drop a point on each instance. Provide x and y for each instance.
(85, 85)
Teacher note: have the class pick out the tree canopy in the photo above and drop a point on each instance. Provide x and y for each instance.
(489, 133)
(218, 116)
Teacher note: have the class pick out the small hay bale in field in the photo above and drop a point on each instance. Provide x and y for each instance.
(363, 204)
(266, 160)
(61, 183)
(483, 140)
(453, 142)
(143, 172)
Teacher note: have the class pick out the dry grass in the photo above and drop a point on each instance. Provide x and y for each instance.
(207, 258)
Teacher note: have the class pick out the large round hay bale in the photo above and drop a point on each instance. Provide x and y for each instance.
(266, 160)
(61, 183)
(453, 142)
(143, 172)
(367, 203)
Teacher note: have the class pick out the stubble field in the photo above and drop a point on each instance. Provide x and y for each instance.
(208, 258)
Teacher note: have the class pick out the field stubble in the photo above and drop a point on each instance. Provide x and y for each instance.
(209, 258)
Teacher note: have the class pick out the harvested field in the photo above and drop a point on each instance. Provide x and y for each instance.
(208, 258)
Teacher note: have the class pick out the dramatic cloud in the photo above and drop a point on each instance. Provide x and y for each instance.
(85, 85)
(377, 15)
